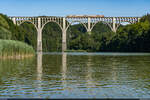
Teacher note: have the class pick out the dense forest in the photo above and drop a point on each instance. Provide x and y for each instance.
(128, 38)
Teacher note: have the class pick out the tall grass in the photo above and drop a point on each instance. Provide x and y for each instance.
(14, 48)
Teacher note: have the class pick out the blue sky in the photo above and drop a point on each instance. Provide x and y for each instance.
(72, 7)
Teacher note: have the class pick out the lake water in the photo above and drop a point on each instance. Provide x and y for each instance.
(76, 75)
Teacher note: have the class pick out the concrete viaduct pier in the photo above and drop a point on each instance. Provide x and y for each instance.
(64, 22)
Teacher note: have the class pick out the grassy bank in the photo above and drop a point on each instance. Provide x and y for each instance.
(11, 49)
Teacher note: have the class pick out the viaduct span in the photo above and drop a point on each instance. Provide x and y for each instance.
(64, 22)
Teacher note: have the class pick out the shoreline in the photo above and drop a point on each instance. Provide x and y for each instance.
(17, 56)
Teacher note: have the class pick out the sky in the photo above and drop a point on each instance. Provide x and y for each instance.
(74, 7)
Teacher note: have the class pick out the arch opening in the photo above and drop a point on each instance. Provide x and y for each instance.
(100, 27)
(51, 22)
(76, 34)
(101, 35)
(28, 34)
(125, 23)
(29, 22)
(122, 24)
(76, 23)
(51, 37)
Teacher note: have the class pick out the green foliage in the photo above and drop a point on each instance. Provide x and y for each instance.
(11, 47)
(78, 38)
(10, 32)
(4, 33)
(129, 38)
(145, 18)
(52, 37)
(132, 38)
(3, 22)
(29, 34)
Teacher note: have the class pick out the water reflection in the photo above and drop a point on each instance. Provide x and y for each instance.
(39, 66)
(39, 75)
(114, 71)
(74, 75)
(90, 83)
(64, 69)
(89, 78)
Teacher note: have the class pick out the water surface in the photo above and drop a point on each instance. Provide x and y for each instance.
(76, 75)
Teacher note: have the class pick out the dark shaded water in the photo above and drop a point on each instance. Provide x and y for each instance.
(77, 75)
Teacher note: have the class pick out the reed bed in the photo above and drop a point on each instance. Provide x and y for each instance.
(12, 48)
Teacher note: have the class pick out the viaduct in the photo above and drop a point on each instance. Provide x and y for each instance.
(64, 22)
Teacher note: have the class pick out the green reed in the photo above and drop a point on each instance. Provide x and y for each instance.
(14, 48)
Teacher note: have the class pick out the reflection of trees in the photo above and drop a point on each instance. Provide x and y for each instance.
(15, 67)
(15, 71)
(129, 68)
(51, 64)
(138, 70)
(96, 73)
(89, 77)
(106, 68)
(101, 67)
(114, 71)
(121, 69)
(51, 37)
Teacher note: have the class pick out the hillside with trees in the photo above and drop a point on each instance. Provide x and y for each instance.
(12, 40)
(128, 38)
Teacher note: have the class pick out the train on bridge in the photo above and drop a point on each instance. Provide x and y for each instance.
(84, 16)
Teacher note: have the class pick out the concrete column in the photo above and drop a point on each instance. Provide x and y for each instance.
(114, 25)
(89, 25)
(64, 43)
(39, 36)
(14, 20)
(139, 19)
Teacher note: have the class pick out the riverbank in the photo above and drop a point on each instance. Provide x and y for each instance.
(75, 51)
(15, 49)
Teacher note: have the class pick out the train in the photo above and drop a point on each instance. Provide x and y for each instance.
(83, 16)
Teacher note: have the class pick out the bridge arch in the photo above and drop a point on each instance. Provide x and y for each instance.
(65, 22)
(51, 22)
(30, 33)
(106, 23)
(123, 23)
(79, 27)
(51, 37)
(28, 22)
(78, 22)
